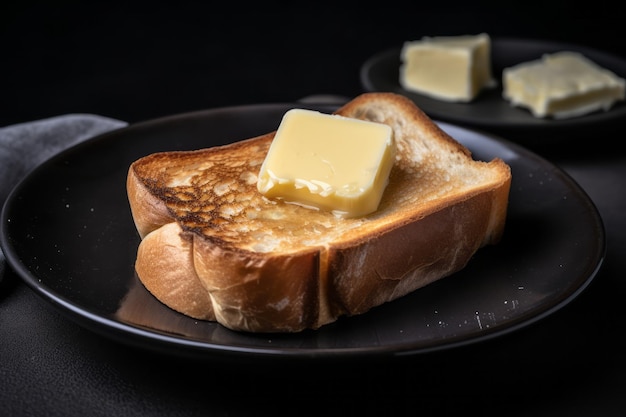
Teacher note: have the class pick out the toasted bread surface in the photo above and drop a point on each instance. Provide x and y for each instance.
(268, 266)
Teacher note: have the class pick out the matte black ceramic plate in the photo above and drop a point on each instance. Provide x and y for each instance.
(68, 232)
(489, 110)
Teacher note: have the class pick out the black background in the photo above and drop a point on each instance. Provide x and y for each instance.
(135, 61)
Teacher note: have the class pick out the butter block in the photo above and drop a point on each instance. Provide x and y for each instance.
(449, 68)
(328, 162)
(561, 85)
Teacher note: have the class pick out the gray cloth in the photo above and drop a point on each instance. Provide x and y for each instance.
(24, 146)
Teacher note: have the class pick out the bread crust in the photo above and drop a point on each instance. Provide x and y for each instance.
(165, 266)
(206, 273)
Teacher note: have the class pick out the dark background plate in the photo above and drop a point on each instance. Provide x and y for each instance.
(489, 110)
(68, 232)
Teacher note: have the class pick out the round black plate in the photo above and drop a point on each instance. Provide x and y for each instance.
(68, 232)
(489, 110)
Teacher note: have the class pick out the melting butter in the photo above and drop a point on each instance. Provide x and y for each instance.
(328, 162)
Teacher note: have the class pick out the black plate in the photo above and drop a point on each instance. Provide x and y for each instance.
(68, 232)
(489, 110)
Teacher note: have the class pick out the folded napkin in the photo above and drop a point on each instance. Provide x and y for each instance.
(24, 146)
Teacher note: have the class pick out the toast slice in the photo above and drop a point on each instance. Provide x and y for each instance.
(214, 248)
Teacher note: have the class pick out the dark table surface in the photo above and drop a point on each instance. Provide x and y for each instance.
(138, 63)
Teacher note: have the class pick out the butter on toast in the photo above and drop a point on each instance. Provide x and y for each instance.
(214, 248)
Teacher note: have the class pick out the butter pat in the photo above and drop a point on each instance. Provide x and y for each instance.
(562, 85)
(328, 162)
(450, 68)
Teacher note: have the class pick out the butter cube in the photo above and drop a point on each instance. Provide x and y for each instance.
(449, 68)
(328, 162)
(562, 85)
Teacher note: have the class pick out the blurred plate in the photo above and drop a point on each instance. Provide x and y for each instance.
(68, 232)
(489, 110)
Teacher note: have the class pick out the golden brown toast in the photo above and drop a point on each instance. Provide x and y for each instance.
(214, 248)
